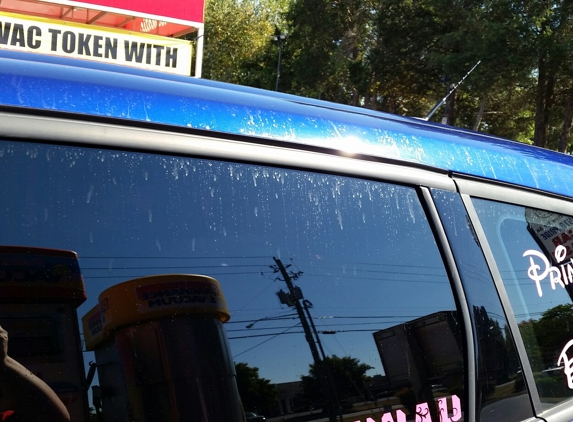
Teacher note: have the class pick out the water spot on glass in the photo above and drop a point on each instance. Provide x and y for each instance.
(158, 244)
(339, 218)
(90, 192)
(91, 237)
(114, 181)
(193, 244)
(145, 175)
(150, 216)
(256, 211)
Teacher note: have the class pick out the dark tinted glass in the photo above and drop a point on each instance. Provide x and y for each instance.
(502, 395)
(338, 299)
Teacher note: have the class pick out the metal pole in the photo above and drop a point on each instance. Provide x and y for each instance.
(437, 106)
(280, 42)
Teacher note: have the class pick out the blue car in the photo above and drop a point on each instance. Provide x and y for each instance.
(196, 249)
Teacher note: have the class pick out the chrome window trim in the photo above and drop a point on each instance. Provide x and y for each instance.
(513, 195)
(459, 293)
(76, 132)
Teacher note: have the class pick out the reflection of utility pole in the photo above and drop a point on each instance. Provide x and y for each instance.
(293, 299)
(307, 305)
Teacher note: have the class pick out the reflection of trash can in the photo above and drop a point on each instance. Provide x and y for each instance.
(41, 289)
(164, 334)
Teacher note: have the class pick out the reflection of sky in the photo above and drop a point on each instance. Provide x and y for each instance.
(506, 228)
(367, 255)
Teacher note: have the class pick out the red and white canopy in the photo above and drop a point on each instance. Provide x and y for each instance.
(171, 18)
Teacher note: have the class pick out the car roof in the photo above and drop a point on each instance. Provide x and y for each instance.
(35, 81)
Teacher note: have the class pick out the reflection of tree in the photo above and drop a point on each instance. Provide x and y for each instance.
(498, 362)
(527, 330)
(348, 375)
(257, 394)
(544, 339)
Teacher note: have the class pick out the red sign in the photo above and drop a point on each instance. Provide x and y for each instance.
(169, 18)
(176, 9)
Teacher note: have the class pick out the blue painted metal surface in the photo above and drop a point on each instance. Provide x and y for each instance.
(50, 83)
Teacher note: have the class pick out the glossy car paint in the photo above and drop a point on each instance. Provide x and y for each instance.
(55, 84)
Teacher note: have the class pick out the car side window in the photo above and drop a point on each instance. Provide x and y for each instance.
(336, 298)
(501, 390)
(533, 249)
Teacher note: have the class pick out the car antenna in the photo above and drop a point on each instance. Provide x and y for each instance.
(443, 100)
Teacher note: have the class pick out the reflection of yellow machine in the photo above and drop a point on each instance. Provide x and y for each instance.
(162, 352)
(40, 291)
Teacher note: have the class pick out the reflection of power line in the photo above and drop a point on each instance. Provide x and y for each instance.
(177, 267)
(320, 331)
(267, 335)
(128, 276)
(267, 318)
(176, 257)
(266, 341)
(325, 332)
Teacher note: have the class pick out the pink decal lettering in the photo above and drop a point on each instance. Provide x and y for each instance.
(443, 406)
(387, 417)
(456, 408)
(423, 413)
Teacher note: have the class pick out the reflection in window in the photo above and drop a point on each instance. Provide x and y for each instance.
(501, 393)
(338, 298)
(533, 250)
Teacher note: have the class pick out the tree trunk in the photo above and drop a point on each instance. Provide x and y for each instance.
(540, 132)
(479, 116)
(450, 111)
(544, 101)
(566, 131)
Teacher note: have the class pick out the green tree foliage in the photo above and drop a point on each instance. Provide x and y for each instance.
(347, 376)
(257, 394)
(545, 338)
(237, 35)
(403, 56)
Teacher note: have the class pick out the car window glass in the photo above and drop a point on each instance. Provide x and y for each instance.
(533, 251)
(321, 295)
(502, 393)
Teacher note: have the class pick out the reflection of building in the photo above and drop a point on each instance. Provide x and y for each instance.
(41, 290)
(423, 355)
(288, 397)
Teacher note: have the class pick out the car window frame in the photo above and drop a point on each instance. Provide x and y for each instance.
(86, 131)
(472, 187)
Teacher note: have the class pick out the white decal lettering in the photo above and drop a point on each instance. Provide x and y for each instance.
(562, 275)
(568, 364)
